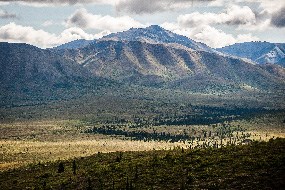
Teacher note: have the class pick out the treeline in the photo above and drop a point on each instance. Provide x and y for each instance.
(187, 115)
(140, 135)
(217, 130)
(206, 115)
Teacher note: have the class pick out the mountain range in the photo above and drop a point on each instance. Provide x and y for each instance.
(152, 57)
(259, 52)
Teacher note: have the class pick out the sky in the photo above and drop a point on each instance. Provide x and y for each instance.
(217, 23)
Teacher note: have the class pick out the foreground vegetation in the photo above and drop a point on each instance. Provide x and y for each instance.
(28, 142)
(259, 165)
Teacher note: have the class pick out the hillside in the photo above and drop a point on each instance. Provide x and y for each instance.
(259, 165)
(22, 63)
(26, 70)
(260, 52)
(172, 66)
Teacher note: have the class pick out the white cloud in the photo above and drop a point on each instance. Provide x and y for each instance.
(234, 15)
(209, 35)
(217, 3)
(25, 34)
(17, 33)
(213, 37)
(48, 23)
(83, 19)
(246, 38)
(243, 17)
(267, 5)
(271, 6)
(198, 26)
(74, 33)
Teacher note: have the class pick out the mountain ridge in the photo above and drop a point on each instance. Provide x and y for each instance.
(157, 34)
(115, 59)
(125, 61)
(150, 34)
(259, 52)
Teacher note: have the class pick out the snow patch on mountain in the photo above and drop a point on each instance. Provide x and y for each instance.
(259, 52)
(274, 56)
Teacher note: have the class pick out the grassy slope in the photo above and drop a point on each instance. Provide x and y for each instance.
(257, 166)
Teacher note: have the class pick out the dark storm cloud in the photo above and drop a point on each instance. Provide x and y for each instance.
(278, 18)
(131, 6)
(145, 6)
(151, 6)
(78, 18)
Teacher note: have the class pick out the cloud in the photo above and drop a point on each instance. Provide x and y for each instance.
(209, 35)
(133, 6)
(213, 37)
(5, 15)
(271, 6)
(66, 2)
(278, 18)
(83, 19)
(234, 15)
(26, 34)
(139, 7)
(4, 3)
(48, 23)
(152, 6)
(243, 17)
(268, 5)
(17, 33)
(246, 38)
(217, 3)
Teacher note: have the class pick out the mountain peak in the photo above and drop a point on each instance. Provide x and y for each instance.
(153, 34)
(155, 27)
(159, 35)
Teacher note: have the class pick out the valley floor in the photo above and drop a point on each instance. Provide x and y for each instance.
(23, 143)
